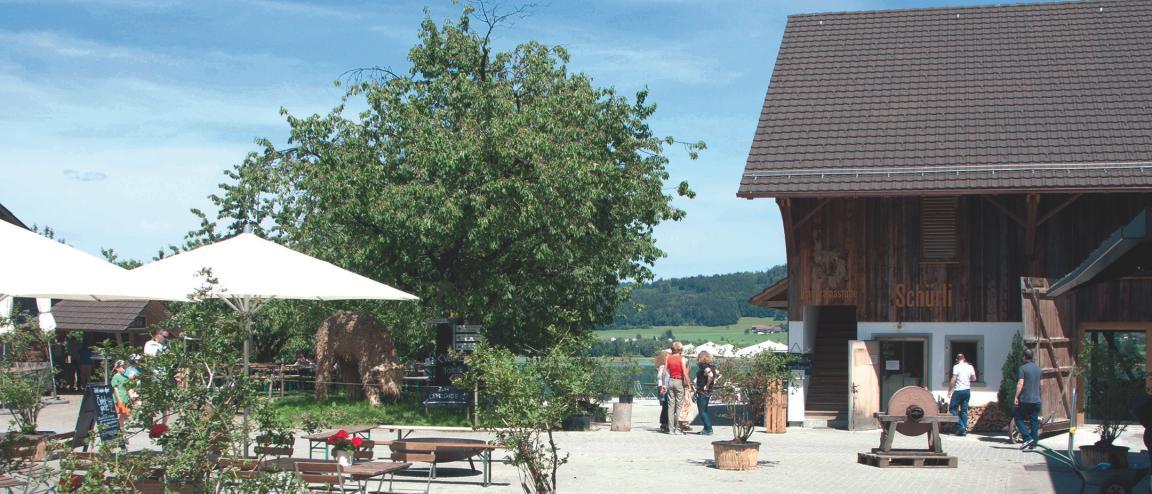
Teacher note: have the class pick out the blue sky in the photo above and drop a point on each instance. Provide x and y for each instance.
(118, 116)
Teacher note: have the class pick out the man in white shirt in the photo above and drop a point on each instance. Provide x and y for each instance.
(157, 344)
(960, 391)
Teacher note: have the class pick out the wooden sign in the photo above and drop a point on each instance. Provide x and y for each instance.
(98, 407)
(447, 397)
(465, 337)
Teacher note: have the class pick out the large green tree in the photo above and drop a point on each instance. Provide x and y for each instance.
(501, 188)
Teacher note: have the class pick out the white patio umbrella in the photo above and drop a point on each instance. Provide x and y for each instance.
(39, 267)
(44, 269)
(250, 270)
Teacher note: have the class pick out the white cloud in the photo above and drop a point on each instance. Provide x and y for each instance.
(48, 43)
(653, 64)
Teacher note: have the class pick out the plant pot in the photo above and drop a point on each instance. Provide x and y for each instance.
(1092, 455)
(343, 457)
(735, 455)
(577, 423)
(622, 416)
(34, 446)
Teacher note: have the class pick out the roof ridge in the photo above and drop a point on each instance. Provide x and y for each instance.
(1020, 4)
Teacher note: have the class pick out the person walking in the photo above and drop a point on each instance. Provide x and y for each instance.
(960, 391)
(677, 367)
(661, 360)
(706, 376)
(1028, 401)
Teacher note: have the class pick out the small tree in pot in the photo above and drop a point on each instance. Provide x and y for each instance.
(1110, 384)
(747, 385)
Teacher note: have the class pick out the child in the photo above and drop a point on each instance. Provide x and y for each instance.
(120, 382)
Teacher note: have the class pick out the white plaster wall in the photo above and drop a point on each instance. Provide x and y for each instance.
(797, 389)
(997, 342)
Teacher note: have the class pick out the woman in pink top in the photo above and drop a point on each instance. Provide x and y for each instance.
(677, 382)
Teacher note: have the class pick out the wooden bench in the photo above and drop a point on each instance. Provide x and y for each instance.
(410, 450)
(400, 434)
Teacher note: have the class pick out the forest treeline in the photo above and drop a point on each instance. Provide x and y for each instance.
(715, 300)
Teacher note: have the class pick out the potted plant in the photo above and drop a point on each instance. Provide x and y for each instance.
(1109, 387)
(23, 384)
(747, 385)
(621, 375)
(343, 446)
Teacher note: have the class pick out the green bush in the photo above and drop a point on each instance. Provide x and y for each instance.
(1010, 374)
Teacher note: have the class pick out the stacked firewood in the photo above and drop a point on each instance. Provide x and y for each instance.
(988, 418)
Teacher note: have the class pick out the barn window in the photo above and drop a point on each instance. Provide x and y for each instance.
(973, 349)
(938, 229)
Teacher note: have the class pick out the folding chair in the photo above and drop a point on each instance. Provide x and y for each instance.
(326, 474)
(412, 453)
(270, 447)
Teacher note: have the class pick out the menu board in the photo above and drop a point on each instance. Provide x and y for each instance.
(98, 407)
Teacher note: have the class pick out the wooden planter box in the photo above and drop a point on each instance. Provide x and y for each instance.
(1092, 455)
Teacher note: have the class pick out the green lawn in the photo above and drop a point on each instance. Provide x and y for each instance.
(733, 334)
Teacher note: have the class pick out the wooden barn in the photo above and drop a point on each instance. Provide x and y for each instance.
(935, 170)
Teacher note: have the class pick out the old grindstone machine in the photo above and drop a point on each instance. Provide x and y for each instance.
(912, 411)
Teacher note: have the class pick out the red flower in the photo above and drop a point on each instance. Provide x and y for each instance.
(72, 483)
(341, 441)
(157, 430)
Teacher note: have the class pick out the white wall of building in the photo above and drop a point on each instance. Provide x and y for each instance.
(797, 389)
(996, 337)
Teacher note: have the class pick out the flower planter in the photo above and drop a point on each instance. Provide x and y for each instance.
(1092, 455)
(343, 457)
(735, 455)
(577, 423)
(34, 446)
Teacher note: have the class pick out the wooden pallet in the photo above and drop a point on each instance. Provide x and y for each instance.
(906, 460)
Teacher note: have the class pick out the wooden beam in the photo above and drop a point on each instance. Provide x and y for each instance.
(1032, 202)
(1050, 214)
(1004, 210)
(819, 206)
(785, 205)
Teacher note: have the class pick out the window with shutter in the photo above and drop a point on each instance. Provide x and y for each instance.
(938, 229)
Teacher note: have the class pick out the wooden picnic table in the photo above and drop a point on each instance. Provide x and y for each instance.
(482, 448)
(400, 434)
(360, 472)
(319, 440)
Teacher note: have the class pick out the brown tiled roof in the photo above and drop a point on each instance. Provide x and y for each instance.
(1052, 96)
(109, 317)
(6, 215)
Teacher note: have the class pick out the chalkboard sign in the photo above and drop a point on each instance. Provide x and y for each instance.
(98, 407)
(447, 397)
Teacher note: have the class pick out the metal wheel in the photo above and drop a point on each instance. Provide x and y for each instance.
(1115, 487)
(1013, 434)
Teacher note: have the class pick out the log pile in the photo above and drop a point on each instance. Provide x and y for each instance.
(987, 418)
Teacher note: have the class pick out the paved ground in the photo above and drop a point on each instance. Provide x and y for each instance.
(801, 460)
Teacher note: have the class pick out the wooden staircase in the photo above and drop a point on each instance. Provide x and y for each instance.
(827, 401)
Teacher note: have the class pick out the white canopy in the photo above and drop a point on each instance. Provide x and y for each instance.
(249, 267)
(769, 345)
(38, 267)
(714, 349)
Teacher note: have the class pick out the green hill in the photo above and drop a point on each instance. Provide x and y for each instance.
(716, 300)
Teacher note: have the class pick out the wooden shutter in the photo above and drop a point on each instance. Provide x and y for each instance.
(938, 229)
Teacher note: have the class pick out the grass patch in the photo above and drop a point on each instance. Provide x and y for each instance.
(733, 333)
(340, 411)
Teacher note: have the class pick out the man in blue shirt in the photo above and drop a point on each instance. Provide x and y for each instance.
(1028, 401)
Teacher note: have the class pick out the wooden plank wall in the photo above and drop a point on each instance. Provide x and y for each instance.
(860, 251)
